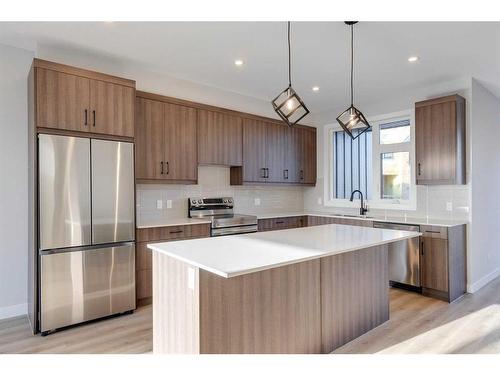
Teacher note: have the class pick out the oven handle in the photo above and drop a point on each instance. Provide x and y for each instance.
(233, 230)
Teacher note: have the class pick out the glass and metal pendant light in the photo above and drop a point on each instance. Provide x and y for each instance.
(352, 120)
(288, 104)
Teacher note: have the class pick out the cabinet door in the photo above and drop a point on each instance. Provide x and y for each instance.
(220, 138)
(275, 152)
(434, 263)
(149, 139)
(180, 160)
(112, 108)
(308, 174)
(254, 151)
(293, 151)
(436, 142)
(62, 101)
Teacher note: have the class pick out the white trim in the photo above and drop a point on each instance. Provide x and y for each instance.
(411, 204)
(473, 288)
(13, 311)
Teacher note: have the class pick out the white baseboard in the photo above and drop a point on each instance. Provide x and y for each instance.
(13, 311)
(474, 287)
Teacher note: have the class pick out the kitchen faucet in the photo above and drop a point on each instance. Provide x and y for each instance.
(363, 209)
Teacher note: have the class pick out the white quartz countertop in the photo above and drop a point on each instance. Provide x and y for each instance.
(230, 256)
(387, 219)
(171, 222)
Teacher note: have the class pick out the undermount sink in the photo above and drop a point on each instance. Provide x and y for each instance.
(357, 216)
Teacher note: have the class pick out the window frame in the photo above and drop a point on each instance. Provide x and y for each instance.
(377, 149)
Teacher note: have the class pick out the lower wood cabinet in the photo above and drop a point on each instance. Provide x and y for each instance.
(322, 220)
(442, 261)
(143, 259)
(278, 223)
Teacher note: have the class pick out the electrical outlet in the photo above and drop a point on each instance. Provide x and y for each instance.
(449, 206)
(159, 204)
(256, 201)
(320, 201)
(169, 203)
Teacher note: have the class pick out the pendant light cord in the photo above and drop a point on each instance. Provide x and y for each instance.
(289, 59)
(352, 64)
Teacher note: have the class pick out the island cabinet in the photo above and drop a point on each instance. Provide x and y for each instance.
(440, 141)
(442, 261)
(220, 138)
(322, 220)
(166, 143)
(276, 153)
(78, 100)
(143, 264)
(282, 223)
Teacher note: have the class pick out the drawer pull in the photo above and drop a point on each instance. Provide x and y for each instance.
(176, 231)
(432, 231)
(280, 222)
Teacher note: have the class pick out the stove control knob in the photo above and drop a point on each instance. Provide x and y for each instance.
(200, 201)
(230, 201)
(193, 201)
(225, 200)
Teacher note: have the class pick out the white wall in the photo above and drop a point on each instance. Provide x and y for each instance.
(484, 250)
(14, 67)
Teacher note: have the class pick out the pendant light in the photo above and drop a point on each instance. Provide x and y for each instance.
(352, 118)
(288, 104)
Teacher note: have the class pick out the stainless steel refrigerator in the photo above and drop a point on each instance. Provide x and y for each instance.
(86, 229)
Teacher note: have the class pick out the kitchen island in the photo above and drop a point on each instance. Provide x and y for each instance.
(304, 290)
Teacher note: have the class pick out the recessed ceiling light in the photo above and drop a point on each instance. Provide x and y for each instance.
(238, 62)
(413, 58)
(315, 88)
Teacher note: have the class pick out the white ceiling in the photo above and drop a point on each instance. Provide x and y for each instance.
(204, 52)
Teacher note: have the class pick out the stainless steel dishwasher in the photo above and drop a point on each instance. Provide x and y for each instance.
(404, 257)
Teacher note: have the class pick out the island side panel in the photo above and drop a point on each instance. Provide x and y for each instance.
(354, 295)
(272, 311)
(175, 306)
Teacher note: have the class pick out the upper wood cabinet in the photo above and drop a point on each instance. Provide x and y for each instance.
(112, 108)
(74, 99)
(440, 141)
(220, 138)
(166, 145)
(276, 153)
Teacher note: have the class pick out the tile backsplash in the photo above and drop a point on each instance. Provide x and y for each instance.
(213, 181)
(432, 202)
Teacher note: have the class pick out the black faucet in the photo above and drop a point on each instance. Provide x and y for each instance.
(363, 210)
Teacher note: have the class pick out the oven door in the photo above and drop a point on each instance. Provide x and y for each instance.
(233, 230)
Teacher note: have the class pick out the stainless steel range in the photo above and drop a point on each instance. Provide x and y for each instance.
(220, 212)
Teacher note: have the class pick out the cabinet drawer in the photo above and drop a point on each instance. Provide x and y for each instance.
(281, 223)
(173, 232)
(433, 231)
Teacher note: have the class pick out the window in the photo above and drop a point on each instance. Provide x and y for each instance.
(378, 162)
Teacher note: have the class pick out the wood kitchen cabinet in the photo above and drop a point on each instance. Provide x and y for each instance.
(440, 141)
(442, 261)
(166, 145)
(78, 100)
(278, 223)
(220, 138)
(276, 153)
(143, 264)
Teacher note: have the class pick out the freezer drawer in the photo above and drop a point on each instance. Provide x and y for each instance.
(82, 285)
(404, 256)
(113, 192)
(64, 191)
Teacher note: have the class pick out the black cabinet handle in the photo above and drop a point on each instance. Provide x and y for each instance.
(263, 173)
(432, 231)
(93, 114)
(280, 222)
(85, 117)
(161, 163)
(422, 248)
(419, 169)
(267, 172)
(175, 231)
(301, 174)
(285, 174)
(168, 168)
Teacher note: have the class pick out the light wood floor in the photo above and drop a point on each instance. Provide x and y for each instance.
(417, 325)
